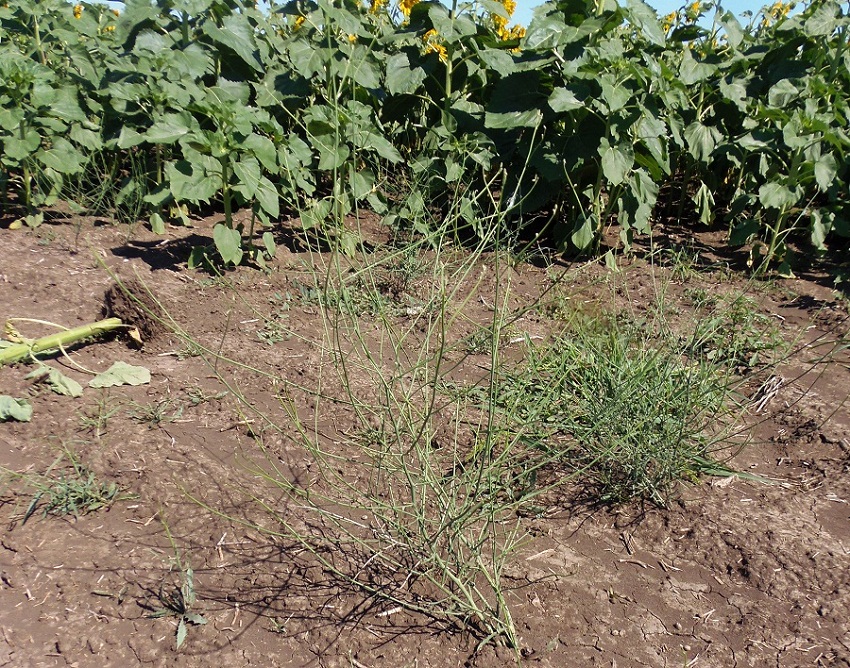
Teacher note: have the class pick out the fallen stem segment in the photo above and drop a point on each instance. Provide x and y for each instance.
(20, 351)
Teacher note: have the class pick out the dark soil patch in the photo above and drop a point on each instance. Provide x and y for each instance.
(131, 302)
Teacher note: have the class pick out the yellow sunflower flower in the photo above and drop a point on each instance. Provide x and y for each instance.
(406, 6)
(499, 21)
(433, 44)
(779, 10)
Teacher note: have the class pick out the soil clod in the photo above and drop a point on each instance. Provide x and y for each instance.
(131, 301)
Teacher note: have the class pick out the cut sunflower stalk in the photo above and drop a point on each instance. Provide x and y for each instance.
(21, 348)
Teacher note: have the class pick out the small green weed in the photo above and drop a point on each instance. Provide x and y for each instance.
(69, 490)
(731, 331)
(177, 602)
(701, 298)
(95, 419)
(684, 261)
(274, 329)
(190, 349)
(197, 396)
(481, 340)
(155, 413)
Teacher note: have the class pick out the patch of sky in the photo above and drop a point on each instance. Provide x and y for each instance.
(525, 8)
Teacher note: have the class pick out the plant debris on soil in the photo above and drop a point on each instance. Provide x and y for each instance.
(734, 570)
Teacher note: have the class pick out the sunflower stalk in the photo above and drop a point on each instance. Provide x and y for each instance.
(28, 347)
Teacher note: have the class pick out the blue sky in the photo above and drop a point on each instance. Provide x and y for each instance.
(524, 7)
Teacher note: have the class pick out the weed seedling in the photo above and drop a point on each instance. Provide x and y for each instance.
(96, 418)
(197, 396)
(156, 412)
(178, 603)
(74, 491)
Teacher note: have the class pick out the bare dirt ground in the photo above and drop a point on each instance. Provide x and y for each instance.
(733, 573)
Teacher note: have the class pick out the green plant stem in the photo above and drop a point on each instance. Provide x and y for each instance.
(38, 46)
(225, 192)
(21, 351)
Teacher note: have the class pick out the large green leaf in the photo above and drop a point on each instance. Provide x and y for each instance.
(228, 243)
(121, 373)
(777, 196)
(359, 68)
(732, 28)
(692, 71)
(62, 157)
(642, 16)
(253, 185)
(152, 42)
(332, 153)
(361, 183)
(193, 61)
(544, 33)
(563, 99)
(267, 197)
(401, 77)
(616, 161)
(820, 228)
(19, 148)
(378, 143)
(190, 182)
(14, 409)
(57, 381)
(782, 93)
(734, 90)
(263, 149)
(551, 32)
(237, 34)
(823, 20)
(65, 105)
(248, 173)
(129, 138)
(701, 140)
(614, 93)
(528, 118)
(637, 202)
(826, 169)
(498, 60)
(10, 119)
(584, 232)
(308, 60)
(168, 129)
(516, 102)
(450, 27)
(88, 139)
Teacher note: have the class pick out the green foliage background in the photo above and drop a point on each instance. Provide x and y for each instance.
(600, 113)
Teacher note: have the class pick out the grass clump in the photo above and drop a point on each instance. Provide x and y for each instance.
(623, 408)
(730, 331)
(67, 487)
